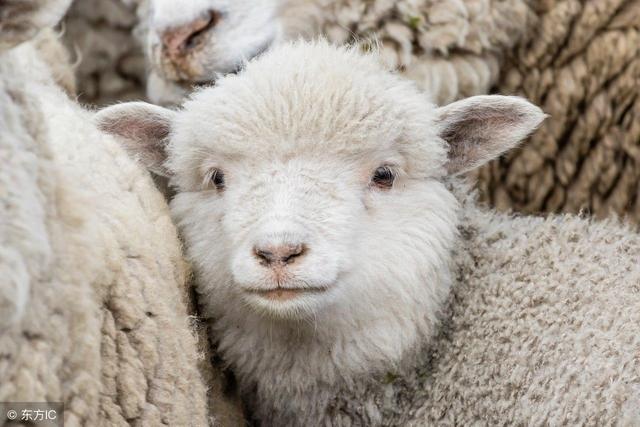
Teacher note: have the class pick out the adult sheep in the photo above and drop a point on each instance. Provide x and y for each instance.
(93, 286)
(318, 200)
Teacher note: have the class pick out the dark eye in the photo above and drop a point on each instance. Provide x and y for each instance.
(383, 177)
(217, 179)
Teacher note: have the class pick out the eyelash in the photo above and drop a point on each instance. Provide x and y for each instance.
(384, 177)
(216, 178)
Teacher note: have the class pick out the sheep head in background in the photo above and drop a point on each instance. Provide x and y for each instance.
(193, 42)
(451, 48)
(312, 198)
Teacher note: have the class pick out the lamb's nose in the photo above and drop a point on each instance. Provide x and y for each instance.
(179, 41)
(270, 255)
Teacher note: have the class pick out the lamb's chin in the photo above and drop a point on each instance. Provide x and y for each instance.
(288, 303)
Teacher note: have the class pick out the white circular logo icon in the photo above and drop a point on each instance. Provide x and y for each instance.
(12, 415)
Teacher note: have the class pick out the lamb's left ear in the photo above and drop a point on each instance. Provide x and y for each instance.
(142, 129)
(481, 128)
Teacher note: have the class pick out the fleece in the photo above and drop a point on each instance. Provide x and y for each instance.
(453, 48)
(541, 328)
(110, 62)
(580, 62)
(93, 277)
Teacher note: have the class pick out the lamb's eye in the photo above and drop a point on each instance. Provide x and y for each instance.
(217, 179)
(383, 177)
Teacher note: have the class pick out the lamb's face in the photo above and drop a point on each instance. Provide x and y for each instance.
(194, 41)
(287, 231)
(312, 182)
(291, 192)
(286, 234)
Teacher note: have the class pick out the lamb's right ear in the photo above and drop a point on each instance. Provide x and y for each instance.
(142, 129)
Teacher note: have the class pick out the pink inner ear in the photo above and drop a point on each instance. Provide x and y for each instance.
(481, 128)
(476, 138)
(135, 127)
(143, 137)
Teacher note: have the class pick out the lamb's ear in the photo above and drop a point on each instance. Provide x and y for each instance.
(481, 128)
(142, 129)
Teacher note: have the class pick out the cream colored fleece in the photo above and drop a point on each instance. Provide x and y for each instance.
(92, 288)
(453, 48)
(542, 328)
(581, 64)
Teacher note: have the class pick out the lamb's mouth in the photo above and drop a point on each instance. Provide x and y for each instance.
(286, 294)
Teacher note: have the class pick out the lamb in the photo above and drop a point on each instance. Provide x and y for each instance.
(93, 295)
(347, 272)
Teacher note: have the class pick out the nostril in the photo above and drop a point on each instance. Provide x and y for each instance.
(198, 31)
(179, 40)
(280, 254)
(292, 252)
(265, 257)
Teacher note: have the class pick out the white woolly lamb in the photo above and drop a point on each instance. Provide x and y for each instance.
(314, 199)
